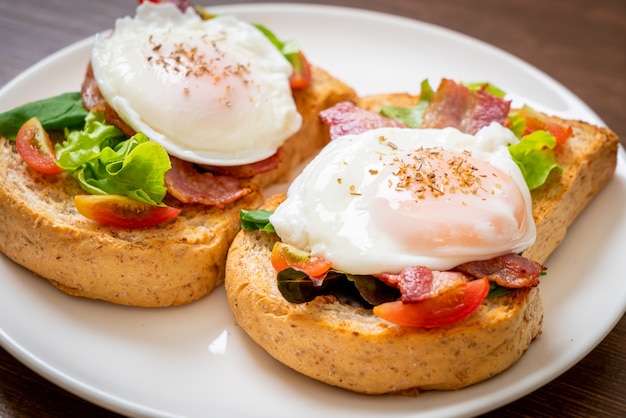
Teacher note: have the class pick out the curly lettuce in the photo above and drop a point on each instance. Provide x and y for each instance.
(535, 157)
(103, 161)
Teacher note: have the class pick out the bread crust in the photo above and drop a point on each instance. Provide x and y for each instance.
(354, 349)
(588, 159)
(172, 264)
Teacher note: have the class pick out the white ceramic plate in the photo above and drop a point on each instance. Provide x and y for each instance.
(194, 361)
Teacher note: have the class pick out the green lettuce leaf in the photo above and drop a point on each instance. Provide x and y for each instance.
(135, 168)
(517, 124)
(488, 87)
(411, 116)
(535, 157)
(105, 162)
(86, 144)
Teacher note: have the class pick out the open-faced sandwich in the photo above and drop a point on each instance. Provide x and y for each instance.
(408, 253)
(129, 191)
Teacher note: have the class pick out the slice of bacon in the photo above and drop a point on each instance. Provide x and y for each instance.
(346, 118)
(511, 271)
(90, 93)
(95, 102)
(455, 105)
(188, 185)
(248, 170)
(419, 283)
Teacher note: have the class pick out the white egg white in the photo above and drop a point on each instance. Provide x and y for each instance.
(391, 198)
(209, 91)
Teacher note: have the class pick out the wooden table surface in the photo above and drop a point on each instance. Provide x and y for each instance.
(581, 43)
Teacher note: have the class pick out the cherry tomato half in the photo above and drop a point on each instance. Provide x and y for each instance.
(446, 309)
(536, 121)
(34, 146)
(301, 76)
(285, 255)
(122, 211)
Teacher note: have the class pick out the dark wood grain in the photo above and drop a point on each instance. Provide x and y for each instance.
(581, 43)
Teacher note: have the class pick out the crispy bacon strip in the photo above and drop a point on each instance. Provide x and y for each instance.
(455, 105)
(95, 102)
(511, 270)
(346, 118)
(248, 170)
(90, 93)
(419, 283)
(187, 184)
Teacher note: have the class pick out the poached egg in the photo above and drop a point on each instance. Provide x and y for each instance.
(209, 91)
(390, 198)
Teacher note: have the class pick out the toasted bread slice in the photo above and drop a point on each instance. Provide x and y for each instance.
(171, 264)
(354, 349)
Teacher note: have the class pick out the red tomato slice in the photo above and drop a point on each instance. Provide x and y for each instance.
(122, 211)
(285, 256)
(536, 121)
(301, 76)
(446, 309)
(34, 146)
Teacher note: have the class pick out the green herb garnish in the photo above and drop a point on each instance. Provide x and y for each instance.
(496, 290)
(252, 220)
(486, 87)
(411, 116)
(358, 291)
(55, 113)
(289, 49)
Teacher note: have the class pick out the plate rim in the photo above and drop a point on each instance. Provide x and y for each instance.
(95, 395)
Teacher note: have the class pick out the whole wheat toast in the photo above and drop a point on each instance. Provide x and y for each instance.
(354, 349)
